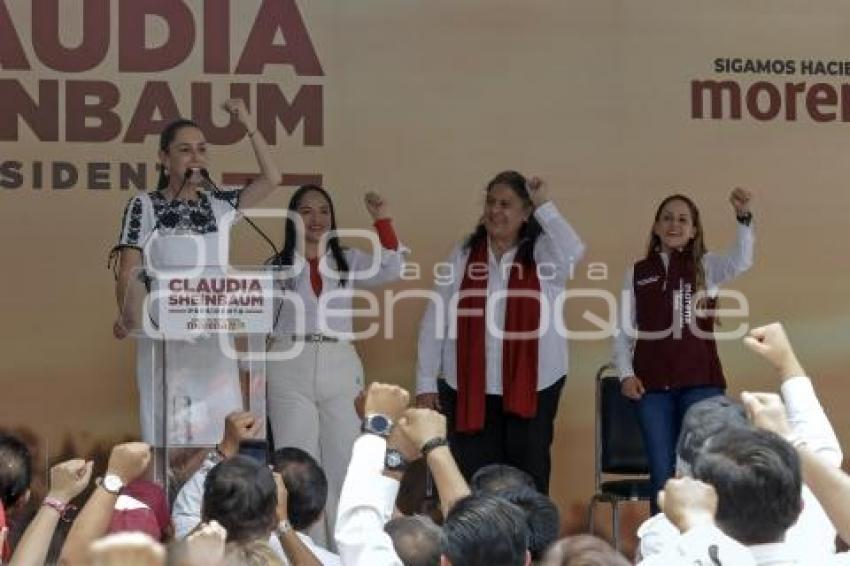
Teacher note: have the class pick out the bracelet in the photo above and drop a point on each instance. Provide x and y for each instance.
(429, 446)
(283, 527)
(745, 219)
(251, 134)
(66, 510)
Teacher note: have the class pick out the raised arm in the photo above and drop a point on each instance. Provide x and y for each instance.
(559, 244)
(390, 254)
(723, 267)
(830, 485)
(67, 481)
(269, 177)
(426, 430)
(127, 462)
(808, 420)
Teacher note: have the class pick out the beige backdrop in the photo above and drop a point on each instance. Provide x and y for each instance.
(424, 101)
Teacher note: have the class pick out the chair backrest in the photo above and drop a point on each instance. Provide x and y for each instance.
(619, 445)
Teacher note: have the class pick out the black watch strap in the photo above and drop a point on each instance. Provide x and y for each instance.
(433, 443)
(745, 219)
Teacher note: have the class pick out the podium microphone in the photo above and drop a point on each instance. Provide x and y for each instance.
(226, 198)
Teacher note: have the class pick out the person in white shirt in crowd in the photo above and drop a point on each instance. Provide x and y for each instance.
(499, 388)
(313, 370)
(813, 530)
(393, 435)
(691, 506)
(303, 478)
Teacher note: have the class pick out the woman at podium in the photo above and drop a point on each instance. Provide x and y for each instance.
(177, 226)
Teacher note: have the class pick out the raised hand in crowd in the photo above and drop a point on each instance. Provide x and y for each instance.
(740, 199)
(767, 411)
(67, 480)
(830, 485)
(127, 462)
(688, 503)
(296, 551)
(537, 191)
(771, 343)
(123, 549)
(426, 429)
(205, 546)
(388, 400)
(238, 426)
(376, 205)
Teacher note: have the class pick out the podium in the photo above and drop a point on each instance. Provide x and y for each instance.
(201, 340)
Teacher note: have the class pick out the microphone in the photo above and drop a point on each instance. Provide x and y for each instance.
(217, 192)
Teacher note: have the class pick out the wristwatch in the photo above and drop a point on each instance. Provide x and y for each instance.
(283, 527)
(111, 483)
(394, 461)
(745, 219)
(377, 424)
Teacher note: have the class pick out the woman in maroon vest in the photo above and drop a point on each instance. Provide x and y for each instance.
(667, 359)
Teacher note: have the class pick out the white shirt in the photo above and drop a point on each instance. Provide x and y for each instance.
(556, 252)
(813, 533)
(365, 505)
(719, 269)
(299, 311)
(705, 545)
(186, 514)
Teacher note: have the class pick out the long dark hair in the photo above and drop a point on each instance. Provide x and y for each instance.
(530, 229)
(165, 138)
(290, 236)
(696, 247)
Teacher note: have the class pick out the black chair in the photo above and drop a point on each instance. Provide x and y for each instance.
(619, 450)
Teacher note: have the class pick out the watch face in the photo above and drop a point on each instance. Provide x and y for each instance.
(393, 459)
(379, 424)
(112, 483)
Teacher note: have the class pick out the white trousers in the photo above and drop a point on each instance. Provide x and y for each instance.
(311, 407)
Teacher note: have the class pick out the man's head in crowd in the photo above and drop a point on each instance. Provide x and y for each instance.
(15, 472)
(485, 530)
(306, 485)
(702, 421)
(542, 518)
(241, 495)
(757, 477)
(416, 540)
(494, 478)
(583, 550)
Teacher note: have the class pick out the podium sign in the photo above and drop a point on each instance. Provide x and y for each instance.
(212, 301)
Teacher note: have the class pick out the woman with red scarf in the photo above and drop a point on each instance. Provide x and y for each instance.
(503, 369)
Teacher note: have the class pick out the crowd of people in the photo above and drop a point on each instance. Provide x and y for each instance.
(755, 481)
(758, 482)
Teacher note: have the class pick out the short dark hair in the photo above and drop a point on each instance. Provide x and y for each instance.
(494, 478)
(583, 550)
(756, 474)
(241, 494)
(485, 530)
(705, 419)
(306, 485)
(15, 469)
(541, 518)
(416, 540)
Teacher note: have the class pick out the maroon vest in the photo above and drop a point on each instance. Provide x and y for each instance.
(664, 304)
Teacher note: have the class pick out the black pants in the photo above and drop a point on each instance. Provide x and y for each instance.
(506, 439)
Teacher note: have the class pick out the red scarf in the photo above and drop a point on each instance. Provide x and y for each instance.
(519, 357)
